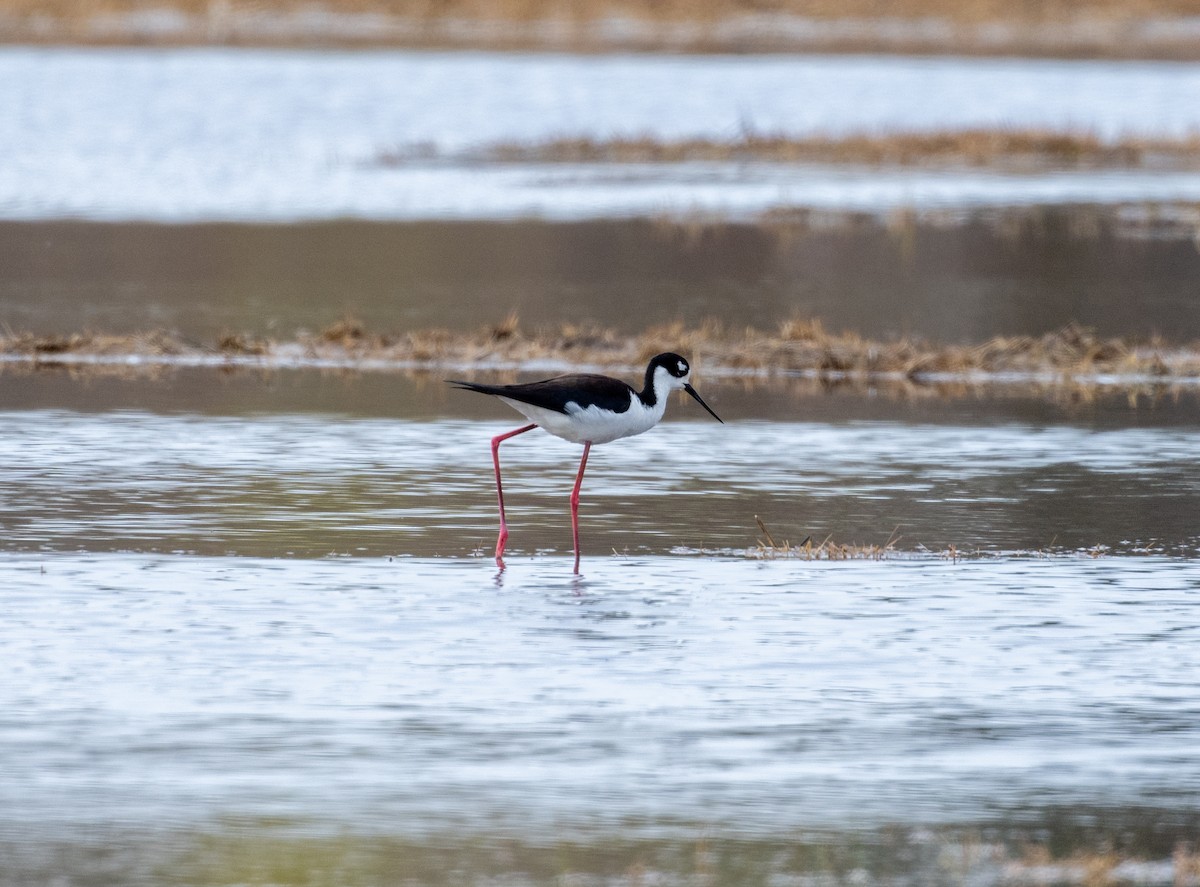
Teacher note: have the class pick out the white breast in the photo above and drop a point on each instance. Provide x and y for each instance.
(579, 425)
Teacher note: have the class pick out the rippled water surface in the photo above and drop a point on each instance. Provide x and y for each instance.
(411, 694)
(316, 485)
(253, 645)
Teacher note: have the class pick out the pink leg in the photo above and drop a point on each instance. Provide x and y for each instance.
(496, 441)
(587, 446)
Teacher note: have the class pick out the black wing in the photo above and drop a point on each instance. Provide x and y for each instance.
(585, 389)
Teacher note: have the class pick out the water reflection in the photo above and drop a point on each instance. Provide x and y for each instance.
(315, 485)
(1015, 273)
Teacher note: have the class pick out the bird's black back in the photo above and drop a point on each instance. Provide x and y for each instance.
(584, 389)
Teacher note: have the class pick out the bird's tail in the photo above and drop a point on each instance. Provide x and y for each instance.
(470, 386)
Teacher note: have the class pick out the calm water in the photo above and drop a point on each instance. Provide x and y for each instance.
(204, 134)
(1022, 272)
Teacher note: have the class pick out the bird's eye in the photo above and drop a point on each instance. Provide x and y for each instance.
(681, 370)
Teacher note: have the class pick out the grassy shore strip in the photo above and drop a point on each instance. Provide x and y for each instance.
(1043, 12)
(1018, 149)
(1068, 28)
(797, 347)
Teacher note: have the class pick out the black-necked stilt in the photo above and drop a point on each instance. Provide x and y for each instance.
(588, 409)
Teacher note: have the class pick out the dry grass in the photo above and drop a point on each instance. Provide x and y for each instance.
(155, 343)
(966, 11)
(827, 549)
(240, 343)
(797, 347)
(979, 147)
(767, 547)
(1115, 28)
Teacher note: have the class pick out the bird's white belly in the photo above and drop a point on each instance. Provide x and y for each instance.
(580, 425)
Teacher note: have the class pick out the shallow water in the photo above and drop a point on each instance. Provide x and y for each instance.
(656, 700)
(253, 635)
(758, 696)
(312, 485)
(1020, 273)
(209, 134)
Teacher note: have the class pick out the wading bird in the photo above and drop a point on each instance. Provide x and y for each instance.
(588, 409)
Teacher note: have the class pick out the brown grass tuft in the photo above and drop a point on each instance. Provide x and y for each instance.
(158, 343)
(829, 550)
(347, 332)
(801, 329)
(240, 343)
(508, 328)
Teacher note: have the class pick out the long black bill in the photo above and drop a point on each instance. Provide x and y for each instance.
(692, 391)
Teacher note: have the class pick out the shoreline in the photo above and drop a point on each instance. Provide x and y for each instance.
(800, 349)
(1119, 36)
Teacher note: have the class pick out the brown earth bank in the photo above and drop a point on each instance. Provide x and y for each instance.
(1069, 28)
(1072, 355)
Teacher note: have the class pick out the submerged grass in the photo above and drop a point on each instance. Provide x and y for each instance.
(796, 347)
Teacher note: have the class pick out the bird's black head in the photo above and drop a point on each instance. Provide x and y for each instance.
(676, 365)
(677, 373)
